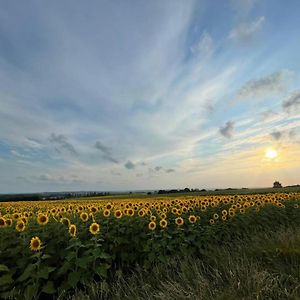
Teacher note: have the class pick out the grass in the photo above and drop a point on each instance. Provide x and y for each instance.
(262, 266)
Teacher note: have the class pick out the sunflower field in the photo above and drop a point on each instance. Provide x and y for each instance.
(48, 248)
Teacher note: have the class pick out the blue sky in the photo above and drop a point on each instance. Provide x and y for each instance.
(114, 95)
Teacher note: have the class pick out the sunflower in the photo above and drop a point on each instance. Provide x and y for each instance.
(65, 221)
(296, 205)
(179, 221)
(152, 225)
(163, 216)
(106, 213)
(152, 218)
(141, 213)
(2, 222)
(130, 212)
(216, 216)
(242, 211)
(94, 228)
(224, 218)
(73, 230)
(35, 244)
(84, 217)
(94, 209)
(192, 219)
(42, 219)
(163, 223)
(212, 221)
(118, 214)
(20, 226)
(8, 222)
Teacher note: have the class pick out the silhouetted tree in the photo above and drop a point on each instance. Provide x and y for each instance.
(277, 184)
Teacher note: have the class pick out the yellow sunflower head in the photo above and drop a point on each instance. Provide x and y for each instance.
(65, 221)
(42, 219)
(163, 223)
(2, 222)
(84, 216)
(118, 214)
(130, 212)
(152, 225)
(20, 226)
(106, 213)
(216, 216)
(73, 230)
(94, 228)
(179, 221)
(8, 222)
(192, 219)
(35, 244)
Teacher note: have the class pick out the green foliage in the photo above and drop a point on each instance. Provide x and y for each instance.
(66, 263)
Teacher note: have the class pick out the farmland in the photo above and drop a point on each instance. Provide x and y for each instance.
(59, 248)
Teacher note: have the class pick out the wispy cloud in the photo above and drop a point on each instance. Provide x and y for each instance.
(292, 103)
(106, 152)
(272, 84)
(204, 46)
(244, 32)
(61, 144)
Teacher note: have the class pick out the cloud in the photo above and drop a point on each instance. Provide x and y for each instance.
(62, 143)
(17, 154)
(204, 45)
(139, 175)
(129, 165)
(106, 151)
(170, 170)
(158, 168)
(244, 32)
(276, 135)
(115, 173)
(267, 115)
(227, 129)
(272, 84)
(45, 177)
(292, 103)
(243, 6)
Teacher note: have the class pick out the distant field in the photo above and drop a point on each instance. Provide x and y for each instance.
(206, 193)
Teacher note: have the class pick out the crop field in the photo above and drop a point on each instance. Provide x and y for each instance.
(53, 248)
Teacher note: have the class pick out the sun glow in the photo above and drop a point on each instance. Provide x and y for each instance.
(271, 153)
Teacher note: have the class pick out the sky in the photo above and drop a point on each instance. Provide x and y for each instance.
(132, 95)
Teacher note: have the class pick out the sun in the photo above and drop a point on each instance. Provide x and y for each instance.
(271, 153)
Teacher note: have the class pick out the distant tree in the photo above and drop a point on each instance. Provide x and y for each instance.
(277, 184)
(187, 190)
(149, 193)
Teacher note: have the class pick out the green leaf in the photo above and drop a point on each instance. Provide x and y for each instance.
(27, 273)
(45, 256)
(31, 291)
(73, 278)
(84, 262)
(101, 271)
(44, 272)
(6, 279)
(49, 288)
(63, 269)
(4, 268)
(104, 255)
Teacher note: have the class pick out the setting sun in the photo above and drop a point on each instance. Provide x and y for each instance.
(271, 153)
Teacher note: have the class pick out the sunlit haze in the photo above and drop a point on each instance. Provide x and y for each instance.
(133, 95)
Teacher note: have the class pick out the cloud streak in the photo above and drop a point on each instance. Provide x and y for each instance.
(245, 32)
